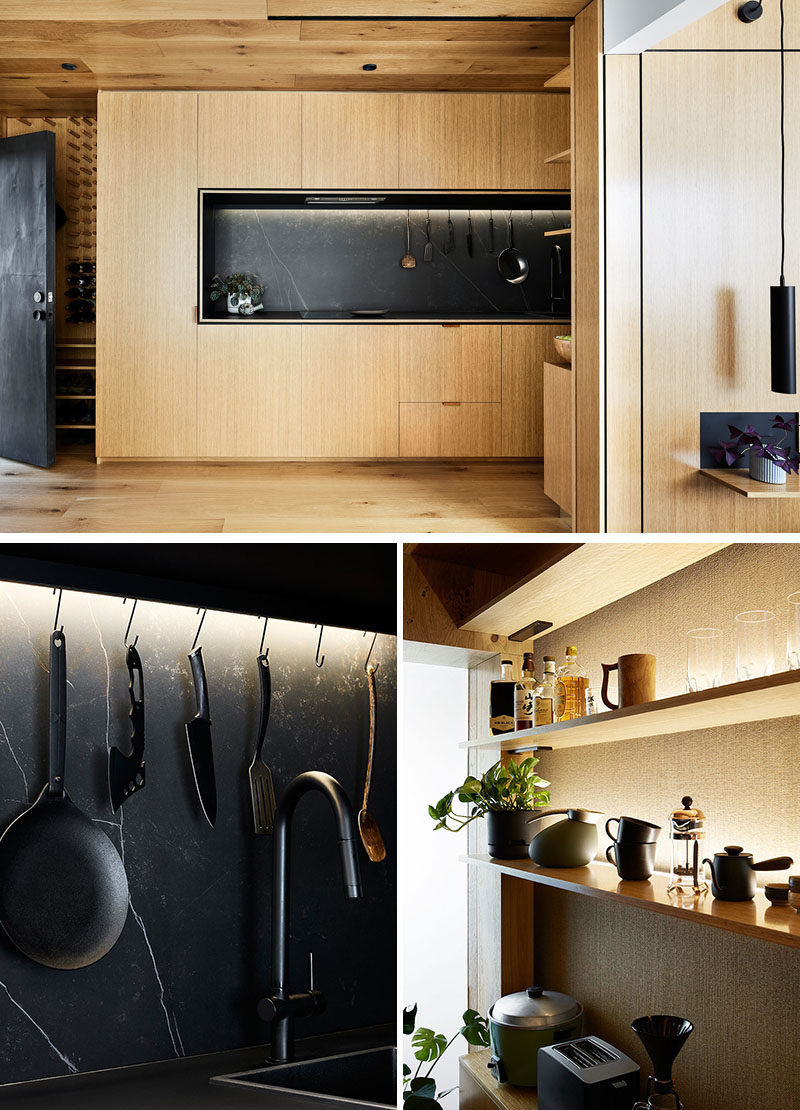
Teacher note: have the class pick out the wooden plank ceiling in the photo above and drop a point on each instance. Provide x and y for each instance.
(301, 46)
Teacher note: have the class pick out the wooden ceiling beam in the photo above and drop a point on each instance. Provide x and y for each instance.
(134, 9)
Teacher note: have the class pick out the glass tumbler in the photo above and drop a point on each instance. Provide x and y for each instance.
(755, 644)
(703, 659)
(793, 637)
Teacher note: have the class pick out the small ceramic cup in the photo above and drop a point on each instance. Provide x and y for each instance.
(631, 830)
(634, 862)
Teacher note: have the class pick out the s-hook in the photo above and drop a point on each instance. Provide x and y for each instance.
(317, 661)
(369, 653)
(263, 637)
(130, 622)
(58, 590)
(200, 625)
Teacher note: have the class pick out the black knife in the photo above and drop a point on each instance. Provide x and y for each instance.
(469, 236)
(126, 773)
(198, 735)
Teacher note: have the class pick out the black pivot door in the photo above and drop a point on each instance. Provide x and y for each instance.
(27, 284)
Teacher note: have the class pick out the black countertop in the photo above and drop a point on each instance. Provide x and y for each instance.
(278, 317)
(183, 1083)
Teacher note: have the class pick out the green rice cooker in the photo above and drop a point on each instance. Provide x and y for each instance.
(522, 1023)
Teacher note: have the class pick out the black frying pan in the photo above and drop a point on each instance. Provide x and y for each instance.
(63, 888)
(512, 264)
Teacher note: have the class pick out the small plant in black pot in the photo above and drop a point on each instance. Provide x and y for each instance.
(419, 1086)
(243, 292)
(507, 797)
(768, 460)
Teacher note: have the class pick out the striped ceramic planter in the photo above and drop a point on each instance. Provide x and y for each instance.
(765, 470)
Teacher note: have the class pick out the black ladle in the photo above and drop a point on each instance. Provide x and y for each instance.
(512, 264)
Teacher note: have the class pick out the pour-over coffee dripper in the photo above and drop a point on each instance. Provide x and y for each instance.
(663, 1037)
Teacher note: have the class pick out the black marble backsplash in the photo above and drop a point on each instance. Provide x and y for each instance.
(194, 956)
(343, 259)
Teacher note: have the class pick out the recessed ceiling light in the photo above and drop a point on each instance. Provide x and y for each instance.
(68, 65)
(369, 67)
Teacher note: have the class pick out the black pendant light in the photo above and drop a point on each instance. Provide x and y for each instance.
(782, 314)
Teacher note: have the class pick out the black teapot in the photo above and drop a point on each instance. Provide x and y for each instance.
(733, 873)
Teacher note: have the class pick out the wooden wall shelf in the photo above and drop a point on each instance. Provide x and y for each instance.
(758, 699)
(740, 482)
(474, 1064)
(560, 80)
(559, 231)
(757, 919)
(584, 580)
(558, 159)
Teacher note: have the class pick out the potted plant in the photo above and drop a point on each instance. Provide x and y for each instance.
(507, 797)
(768, 460)
(419, 1090)
(242, 290)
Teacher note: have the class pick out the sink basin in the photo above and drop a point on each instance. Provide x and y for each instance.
(355, 1079)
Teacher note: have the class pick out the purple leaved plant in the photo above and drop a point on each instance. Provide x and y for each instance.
(765, 447)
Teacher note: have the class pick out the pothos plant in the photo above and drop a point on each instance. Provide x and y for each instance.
(419, 1087)
(241, 288)
(499, 790)
(764, 446)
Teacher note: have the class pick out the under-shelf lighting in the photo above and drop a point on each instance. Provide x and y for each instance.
(345, 200)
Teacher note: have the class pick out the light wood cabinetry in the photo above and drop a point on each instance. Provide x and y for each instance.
(449, 430)
(449, 141)
(443, 363)
(147, 274)
(533, 127)
(248, 140)
(249, 392)
(559, 435)
(349, 391)
(524, 352)
(350, 140)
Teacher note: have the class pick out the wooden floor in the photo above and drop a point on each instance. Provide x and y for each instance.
(77, 495)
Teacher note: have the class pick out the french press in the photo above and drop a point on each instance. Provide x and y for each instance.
(687, 827)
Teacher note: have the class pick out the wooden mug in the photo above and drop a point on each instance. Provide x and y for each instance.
(637, 680)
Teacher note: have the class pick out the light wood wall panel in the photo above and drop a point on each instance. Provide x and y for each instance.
(249, 391)
(249, 140)
(559, 435)
(449, 141)
(147, 274)
(450, 363)
(525, 350)
(350, 391)
(588, 269)
(723, 30)
(450, 430)
(534, 126)
(623, 275)
(350, 140)
(711, 176)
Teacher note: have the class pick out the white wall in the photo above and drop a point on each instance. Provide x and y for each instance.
(631, 26)
(433, 882)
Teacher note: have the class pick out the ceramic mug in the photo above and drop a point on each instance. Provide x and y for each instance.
(631, 830)
(634, 862)
(637, 680)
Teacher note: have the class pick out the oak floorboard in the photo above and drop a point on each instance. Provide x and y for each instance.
(391, 496)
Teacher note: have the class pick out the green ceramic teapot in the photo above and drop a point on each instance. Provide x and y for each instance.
(569, 843)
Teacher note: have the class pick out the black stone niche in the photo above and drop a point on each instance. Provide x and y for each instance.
(324, 256)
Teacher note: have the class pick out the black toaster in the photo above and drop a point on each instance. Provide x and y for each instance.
(586, 1074)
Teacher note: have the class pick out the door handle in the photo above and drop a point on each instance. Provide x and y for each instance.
(39, 315)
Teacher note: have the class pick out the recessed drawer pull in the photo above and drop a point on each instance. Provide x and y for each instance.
(456, 403)
(451, 325)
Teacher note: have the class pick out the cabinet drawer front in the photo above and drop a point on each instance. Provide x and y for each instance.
(350, 140)
(450, 363)
(449, 430)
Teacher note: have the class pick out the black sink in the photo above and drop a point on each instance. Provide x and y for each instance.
(355, 1079)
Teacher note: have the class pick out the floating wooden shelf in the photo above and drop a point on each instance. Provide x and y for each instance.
(76, 397)
(560, 80)
(502, 1094)
(740, 482)
(557, 232)
(75, 427)
(75, 343)
(758, 699)
(558, 159)
(758, 919)
(584, 580)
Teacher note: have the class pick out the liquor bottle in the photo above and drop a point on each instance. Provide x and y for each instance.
(571, 685)
(524, 693)
(501, 700)
(545, 694)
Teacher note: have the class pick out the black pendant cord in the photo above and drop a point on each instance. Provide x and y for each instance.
(783, 327)
(783, 149)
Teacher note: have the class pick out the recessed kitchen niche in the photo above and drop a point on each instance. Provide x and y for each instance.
(337, 256)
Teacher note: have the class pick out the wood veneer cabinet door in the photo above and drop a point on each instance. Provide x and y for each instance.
(350, 140)
(248, 140)
(449, 430)
(449, 363)
(350, 390)
(559, 435)
(147, 274)
(450, 141)
(534, 126)
(525, 350)
(249, 391)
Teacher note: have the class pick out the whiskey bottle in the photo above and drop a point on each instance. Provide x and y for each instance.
(572, 682)
(524, 693)
(545, 695)
(501, 700)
